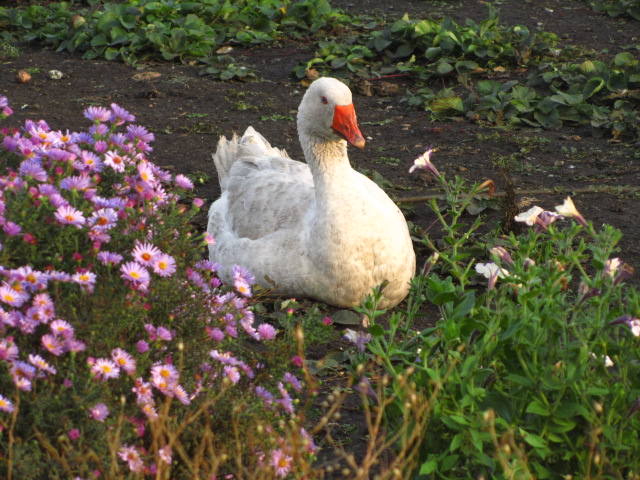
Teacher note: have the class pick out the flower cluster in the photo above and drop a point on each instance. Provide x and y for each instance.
(89, 212)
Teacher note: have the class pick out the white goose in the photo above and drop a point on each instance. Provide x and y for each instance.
(318, 230)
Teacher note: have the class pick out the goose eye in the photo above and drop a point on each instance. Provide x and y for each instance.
(324, 100)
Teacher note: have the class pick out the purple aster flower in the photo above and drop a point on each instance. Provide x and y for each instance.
(119, 115)
(75, 182)
(264, 394)
(358, 338)
(11, 229)
(183, 181)
(138, 132)
(109, 258)
(142, 346)
(215, 334)
(97, 114)
(292, 380)
(33, 168)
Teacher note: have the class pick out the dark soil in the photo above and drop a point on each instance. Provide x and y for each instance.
(188, 113)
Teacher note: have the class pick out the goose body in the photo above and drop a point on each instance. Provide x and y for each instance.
(318, 230)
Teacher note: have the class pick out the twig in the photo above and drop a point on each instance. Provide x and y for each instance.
(536, 191)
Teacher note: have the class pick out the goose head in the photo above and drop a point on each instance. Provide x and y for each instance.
(326, 113)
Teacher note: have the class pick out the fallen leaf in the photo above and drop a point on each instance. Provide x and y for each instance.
(145, 76)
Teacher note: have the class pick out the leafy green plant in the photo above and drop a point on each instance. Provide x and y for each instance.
(615, 8)
(432, 48)
(536, 365)
(168, 29)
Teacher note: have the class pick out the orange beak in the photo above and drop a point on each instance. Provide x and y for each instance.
(346, 125)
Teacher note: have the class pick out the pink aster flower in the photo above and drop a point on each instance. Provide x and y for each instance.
(164, 265)
(145, 253)
(86, 279)
(135, 273)
(149, 410)
(232, 373)
(8, 349)
(104, 369)
(67, 215)
(281, 463)
(124, 360)
(103, 219)
(164, 373)
(52, 344)
(62, 328)
(11, 296)
(41, 364)
(165, 454)
(143, 391)
(5, 404)
(132, 457)
(183, 181)
(116, 161)
(99, 412)
(267, 331)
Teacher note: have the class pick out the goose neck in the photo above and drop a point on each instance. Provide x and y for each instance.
(326, 158)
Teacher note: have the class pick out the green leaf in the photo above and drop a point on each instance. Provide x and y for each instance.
(444, 68)
(538, 408)
(432, 52)
(429, 466)
(624, 59)
(376, 330)
(534, 440)
(444, 104)
(593, 86)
